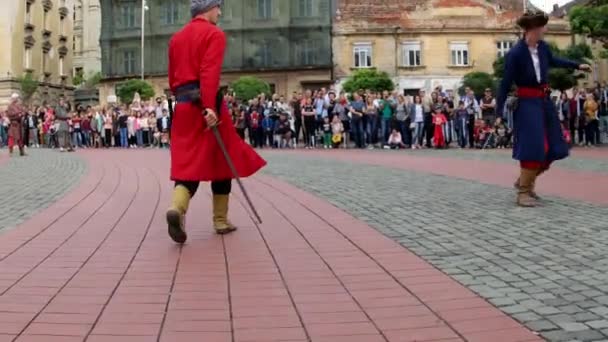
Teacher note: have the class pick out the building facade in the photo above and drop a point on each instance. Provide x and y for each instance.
(87, 29)
(38, 38)
(285, 42)
(422, 44)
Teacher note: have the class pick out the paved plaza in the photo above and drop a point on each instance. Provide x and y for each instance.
(355, 246)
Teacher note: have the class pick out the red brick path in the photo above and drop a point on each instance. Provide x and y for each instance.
(98, 266)
(581, 185)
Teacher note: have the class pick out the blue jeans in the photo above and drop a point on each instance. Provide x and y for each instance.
(357, 129)
(76, 138)
(3, 136)
(124, 137)
(140, 137)
(448, 130)
(463, 132)
(385, 124)
(372, 129)
(86, 138)
(418, 133)
(406, 133)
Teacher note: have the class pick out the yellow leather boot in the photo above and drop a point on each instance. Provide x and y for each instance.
(526, 186)
(220, 215)
(176, 214)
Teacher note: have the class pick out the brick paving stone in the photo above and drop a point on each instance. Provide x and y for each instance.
(442, 223)
(105, 270)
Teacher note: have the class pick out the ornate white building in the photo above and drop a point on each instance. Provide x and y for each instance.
(87, 29)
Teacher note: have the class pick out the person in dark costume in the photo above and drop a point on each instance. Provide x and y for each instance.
(538, 137)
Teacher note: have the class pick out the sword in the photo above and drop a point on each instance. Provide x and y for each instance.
(235, 175)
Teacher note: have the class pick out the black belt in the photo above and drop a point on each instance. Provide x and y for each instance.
(189, 92)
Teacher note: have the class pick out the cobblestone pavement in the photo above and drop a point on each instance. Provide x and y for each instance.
(545, 267)
(34, 182)
(104, 269)
(577, 160)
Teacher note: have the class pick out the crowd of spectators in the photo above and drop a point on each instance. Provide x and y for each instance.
(324, 118)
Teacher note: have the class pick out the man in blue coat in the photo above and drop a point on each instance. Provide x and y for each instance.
(538, 138)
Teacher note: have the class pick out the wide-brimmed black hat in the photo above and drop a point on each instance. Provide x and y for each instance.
(533, 19)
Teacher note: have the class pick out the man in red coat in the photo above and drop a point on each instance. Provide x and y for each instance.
(195, 62)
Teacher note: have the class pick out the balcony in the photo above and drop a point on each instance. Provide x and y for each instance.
(29, 27)
(47, 5)
(46, 33)
(47, 46)
(29, 41)
(63, 11)
(62, 51)
(63, 38)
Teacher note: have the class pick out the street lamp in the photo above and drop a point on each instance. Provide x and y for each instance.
(144, 8)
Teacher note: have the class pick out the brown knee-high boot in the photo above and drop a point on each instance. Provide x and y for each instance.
(526, 185)
(533, 193)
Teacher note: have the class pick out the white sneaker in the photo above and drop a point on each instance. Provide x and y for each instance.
(61, 149)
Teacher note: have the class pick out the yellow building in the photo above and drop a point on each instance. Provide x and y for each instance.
(37, 36)
(422, 44)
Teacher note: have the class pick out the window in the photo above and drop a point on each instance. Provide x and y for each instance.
(127, 12)
(459, 53)
(169, 14)
(363, 55)
(45, 57)
(411, 52)
(264, 9)
(61, 65)
(305, 8)
(45, 20)
(27, 58)
(503, 47)
(28, 13)
(265, 54)
(306, 52)
(128, 60)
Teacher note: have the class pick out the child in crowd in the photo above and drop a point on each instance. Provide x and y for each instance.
(337, 130)
(485, 137)
(462, 122)
(439, 120)
(502, 133)
(165, 126)
(395, 141)
(326, 133)
(267, 126)
(256, 128)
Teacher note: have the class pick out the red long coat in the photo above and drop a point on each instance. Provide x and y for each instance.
(196, 54)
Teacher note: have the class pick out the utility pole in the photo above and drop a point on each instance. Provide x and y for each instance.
(144, 8)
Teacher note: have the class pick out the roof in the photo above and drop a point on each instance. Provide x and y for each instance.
(378, 15)
(562, 11)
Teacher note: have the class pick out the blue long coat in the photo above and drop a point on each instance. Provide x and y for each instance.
(533, 116)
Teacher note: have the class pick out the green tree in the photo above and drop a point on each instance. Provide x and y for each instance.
(368, 79)
(78, 79)
(127, 90)
(478, 82)
(249, 87)
(499, 67)
(28, 85)
(591, 20)
(93, 80)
